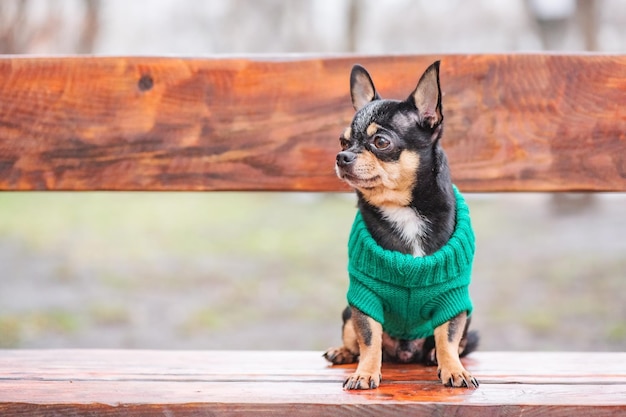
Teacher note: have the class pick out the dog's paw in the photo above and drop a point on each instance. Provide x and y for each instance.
(362, 381)
(456, 377)
(340, 356)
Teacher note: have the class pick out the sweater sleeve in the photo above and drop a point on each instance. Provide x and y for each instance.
(366, 300)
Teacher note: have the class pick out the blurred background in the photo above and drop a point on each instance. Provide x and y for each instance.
(265, 270)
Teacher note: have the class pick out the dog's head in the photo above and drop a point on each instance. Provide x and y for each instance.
(388, 140)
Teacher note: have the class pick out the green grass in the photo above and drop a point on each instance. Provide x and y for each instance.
(206, 269)
(213, 259)
(109, 314)
(10, 332)
(183, 223)
(16, 328)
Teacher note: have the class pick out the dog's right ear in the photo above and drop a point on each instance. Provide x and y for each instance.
(362, 88)
(427, 97)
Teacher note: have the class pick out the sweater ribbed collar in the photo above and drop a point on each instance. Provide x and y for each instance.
(369, 260)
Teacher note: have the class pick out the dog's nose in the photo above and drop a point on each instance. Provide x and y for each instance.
(345, 158)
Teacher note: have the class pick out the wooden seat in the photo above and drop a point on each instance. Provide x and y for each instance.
(274, 383)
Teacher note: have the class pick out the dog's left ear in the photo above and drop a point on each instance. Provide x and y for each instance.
(427, 98)
(362, 88)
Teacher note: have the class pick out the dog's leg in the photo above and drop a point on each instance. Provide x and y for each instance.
(447, 339)
(369, 335)
(349, 352)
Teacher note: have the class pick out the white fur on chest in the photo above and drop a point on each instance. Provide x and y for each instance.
(409, 224)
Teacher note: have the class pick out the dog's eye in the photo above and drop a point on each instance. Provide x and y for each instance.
(345, 143)
(381, 143)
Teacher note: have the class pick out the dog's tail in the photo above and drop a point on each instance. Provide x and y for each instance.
(472, 340)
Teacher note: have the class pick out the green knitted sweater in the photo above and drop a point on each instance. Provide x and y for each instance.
(411, 296)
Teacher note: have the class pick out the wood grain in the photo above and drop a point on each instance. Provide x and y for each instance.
(513, 122)
(141, 383)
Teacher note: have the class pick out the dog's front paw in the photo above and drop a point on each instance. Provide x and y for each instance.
(456, 376)
(362, 381)
(340, 356)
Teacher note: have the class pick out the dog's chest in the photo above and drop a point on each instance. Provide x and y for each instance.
(409, 225)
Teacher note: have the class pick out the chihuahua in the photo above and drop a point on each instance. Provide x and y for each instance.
(411, 246)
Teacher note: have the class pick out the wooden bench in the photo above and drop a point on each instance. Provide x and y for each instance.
(514, 123)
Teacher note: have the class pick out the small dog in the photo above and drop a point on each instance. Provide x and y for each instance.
(411, 246)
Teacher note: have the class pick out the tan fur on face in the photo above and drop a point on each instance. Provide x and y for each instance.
(386, 183)
(346, 133)
(372, 129)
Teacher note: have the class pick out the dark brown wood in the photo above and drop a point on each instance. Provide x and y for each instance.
(141, 383)
(513, 122)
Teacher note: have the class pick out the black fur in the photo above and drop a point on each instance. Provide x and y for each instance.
(360, 321)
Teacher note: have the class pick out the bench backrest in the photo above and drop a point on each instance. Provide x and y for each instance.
(513, 122)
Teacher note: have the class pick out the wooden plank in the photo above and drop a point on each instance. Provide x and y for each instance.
(513, 122)
(139, 383)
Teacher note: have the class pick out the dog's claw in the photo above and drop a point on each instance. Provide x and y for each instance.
(458, 378)
(339, 356)
(357, 381)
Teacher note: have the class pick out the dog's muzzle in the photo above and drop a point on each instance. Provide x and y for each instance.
(345, 158)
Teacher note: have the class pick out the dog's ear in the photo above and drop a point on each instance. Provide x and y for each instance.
(427, 98)
(362, 88)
